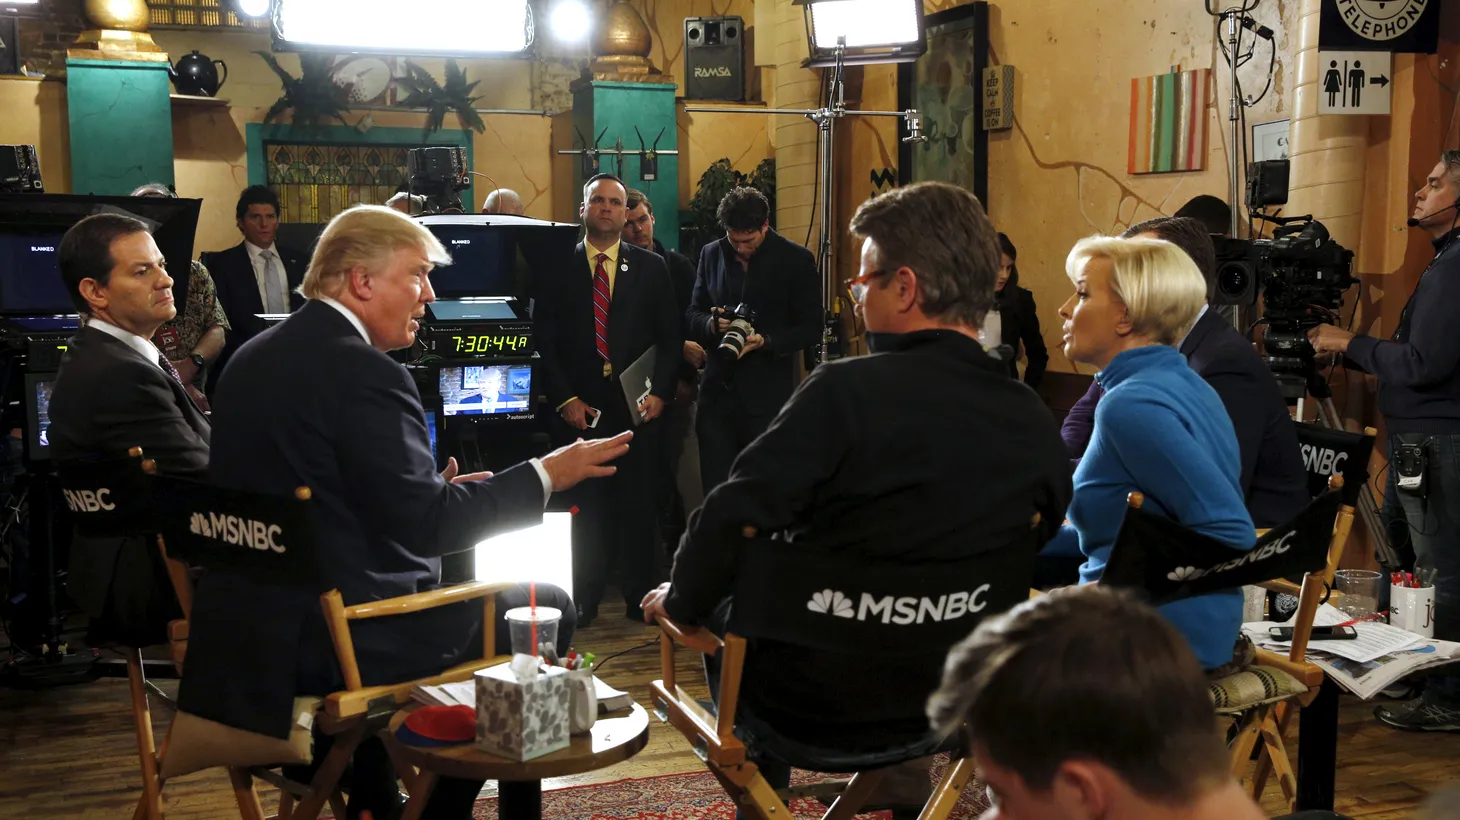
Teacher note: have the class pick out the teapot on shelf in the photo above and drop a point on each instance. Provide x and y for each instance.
(194, 75)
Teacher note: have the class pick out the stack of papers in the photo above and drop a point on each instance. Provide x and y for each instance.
(1367, 664)
(464, 693)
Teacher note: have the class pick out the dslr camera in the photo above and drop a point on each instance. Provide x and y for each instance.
(742, 327)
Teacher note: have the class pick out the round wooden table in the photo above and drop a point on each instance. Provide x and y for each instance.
(519, 782)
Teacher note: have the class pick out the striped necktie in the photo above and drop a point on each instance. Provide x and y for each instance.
(601, 301)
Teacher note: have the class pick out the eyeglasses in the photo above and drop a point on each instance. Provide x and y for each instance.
(859, 285)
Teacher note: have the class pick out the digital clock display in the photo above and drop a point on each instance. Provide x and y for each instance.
(486, 344)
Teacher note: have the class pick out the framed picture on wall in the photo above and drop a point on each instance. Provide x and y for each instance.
(9, 47)
(943, 85)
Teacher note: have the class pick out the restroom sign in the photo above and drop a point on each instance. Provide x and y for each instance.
(1354, 82)
(1396, 26)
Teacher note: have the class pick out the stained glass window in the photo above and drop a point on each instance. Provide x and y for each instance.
(316, 182)
(200, 14)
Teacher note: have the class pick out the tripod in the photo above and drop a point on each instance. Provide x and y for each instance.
(1368, 509)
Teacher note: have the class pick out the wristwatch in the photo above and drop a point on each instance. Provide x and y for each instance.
(198, 360)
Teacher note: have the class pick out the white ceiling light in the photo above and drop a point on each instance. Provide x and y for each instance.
(253, 8)
(422, 27)
(570, 21)
(876, 31)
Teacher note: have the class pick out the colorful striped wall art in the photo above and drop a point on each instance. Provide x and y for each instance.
(1168, 122)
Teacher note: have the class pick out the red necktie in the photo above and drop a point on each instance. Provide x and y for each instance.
(601, 301)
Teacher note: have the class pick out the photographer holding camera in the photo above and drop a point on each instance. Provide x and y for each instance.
(756, 303)
(1418, 370)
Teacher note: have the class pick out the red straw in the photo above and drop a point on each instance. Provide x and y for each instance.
(532, 611)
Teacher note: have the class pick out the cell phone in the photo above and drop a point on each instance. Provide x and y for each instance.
(596, 416)
(1320, 633)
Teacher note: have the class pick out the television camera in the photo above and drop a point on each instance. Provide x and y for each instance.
(1302, 275)
(440, 174)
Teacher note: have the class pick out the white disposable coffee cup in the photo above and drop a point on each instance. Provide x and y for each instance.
(1413, 610)
(1254, 604)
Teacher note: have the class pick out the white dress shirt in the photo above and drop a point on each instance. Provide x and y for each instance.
(260, 266)
(542, 475)
(1200, 313)
(144, 347)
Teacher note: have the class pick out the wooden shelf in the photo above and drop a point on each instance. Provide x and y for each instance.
(199, 102)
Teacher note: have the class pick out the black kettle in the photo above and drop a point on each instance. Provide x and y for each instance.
(193, 74)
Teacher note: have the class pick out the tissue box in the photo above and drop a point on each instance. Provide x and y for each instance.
(521, 720)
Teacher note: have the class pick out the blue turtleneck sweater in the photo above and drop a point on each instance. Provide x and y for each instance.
(1162, 431)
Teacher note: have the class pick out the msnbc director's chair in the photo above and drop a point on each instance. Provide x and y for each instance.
(109, 499)
(348, 716)
(1167, 562)
(836, 605)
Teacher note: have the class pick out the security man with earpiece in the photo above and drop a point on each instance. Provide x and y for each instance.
(1418, 370)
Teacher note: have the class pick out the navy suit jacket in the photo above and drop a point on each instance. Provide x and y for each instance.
(238, 293)
(1273, 477)
(784, 289)
(641, 316)
(310, 403)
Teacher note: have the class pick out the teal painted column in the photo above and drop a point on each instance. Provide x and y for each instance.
(121, 125)
(619, 107)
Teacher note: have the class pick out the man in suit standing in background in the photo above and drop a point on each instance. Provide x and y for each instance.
(255, 276)
(594, 320)
(115, 391)
(316, 402)
(682, 491)
(777, 279)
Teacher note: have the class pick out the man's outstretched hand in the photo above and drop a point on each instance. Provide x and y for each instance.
(450, 474)
(653, 603)
(567, 466)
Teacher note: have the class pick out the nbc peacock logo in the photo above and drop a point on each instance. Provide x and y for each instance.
(832, 602)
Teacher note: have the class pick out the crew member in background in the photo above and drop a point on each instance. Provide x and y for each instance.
(1017, 318)
(593, 322)
(195, 336)
(682, 491)
(504, 201)
(777, 280)
(1213, 213)
(1274, 482)
(116, 391)
(407, 203)
(255, 276)
(1418, 369)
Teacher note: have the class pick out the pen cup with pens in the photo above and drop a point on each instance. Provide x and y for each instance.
(1412, 601)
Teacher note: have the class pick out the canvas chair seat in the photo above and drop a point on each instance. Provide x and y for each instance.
(1252, 687)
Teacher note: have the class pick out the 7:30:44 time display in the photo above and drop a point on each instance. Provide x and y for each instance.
(487, 344)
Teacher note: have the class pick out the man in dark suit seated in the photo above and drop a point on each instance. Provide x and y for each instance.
(924, 452)
(316, 402)
(116, 391)
(1273, 478)
(773, 276)
(256, 275)
(594, 320)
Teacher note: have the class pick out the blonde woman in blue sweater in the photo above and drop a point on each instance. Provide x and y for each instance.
(1160, 429)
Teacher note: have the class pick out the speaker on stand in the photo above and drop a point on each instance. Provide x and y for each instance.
(714, 58)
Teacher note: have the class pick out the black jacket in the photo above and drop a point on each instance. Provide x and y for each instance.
(784, 289)
(1274, 481)
(346, 421)
(108, 399)
(852, 466)
(640, 316)
(1020, 320)
(238, 293)
(682, 274)
(1419, 367)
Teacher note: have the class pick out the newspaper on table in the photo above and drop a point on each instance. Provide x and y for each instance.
(1369, 663)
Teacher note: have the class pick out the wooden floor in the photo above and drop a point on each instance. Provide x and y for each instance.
(70, 752)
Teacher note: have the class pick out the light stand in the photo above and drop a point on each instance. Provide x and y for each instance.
(1234, 116)
(825, 119)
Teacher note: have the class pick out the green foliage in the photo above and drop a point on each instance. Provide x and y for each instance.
(715, 182)
(312, 96)
(440, 99)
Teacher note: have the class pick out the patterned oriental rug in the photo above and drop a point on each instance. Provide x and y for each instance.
(688, 796)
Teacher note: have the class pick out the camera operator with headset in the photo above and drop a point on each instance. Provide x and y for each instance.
(1418, 370)
(756, 303)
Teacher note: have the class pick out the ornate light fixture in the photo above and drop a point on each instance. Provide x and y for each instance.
(118, 32)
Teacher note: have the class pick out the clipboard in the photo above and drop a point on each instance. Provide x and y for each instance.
(637, 382)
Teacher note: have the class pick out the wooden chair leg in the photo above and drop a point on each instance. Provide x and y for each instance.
(403, 768)
(858, 791)
(337, 805)
(246, 795)
(949, 790)
(1277, 755)
(327, 777)
(286, 806)
(142, 722)
(763, 801)
(1248, 733)
(1280, 714)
